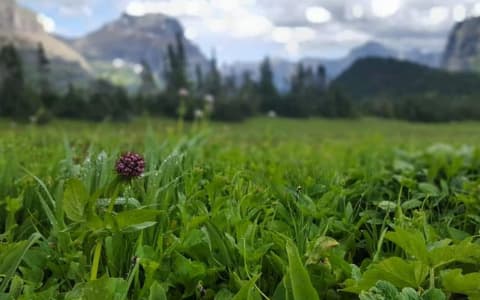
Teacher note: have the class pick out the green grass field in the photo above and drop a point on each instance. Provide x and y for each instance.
(267, 209)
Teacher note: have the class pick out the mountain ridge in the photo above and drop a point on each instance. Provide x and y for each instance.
(462, 52)
(19, 26)
(283, 69)
(388, 77)
(147, 36)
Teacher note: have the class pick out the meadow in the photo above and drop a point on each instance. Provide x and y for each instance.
(266, 209)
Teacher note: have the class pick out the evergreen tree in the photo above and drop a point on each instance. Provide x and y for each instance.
(213, 84)
(266, 87)
(337, 105)
(199, 80)
(299, 80)
(14, 102)
(248, 93)
(321, 78)
(47, 96)
(148, 85)
(176, 72)
(73, 104)
(43, 69)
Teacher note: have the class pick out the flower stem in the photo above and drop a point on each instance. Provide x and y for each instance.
(96, 260)
(432, 278)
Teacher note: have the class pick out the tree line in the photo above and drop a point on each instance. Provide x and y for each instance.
(389, 88)
(208, 93)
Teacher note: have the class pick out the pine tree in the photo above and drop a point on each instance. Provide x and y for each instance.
(321, 78)
(14, 102)
(199, 80)
(176, 72)
(148, 85)
(214, 79)
(43, 68)
(266, 87)
(47, 95)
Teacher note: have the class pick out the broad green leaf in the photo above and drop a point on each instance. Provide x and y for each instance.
(408, 294)
(412, 242)
(434, 294)
(395, 270)
(429, 189)
(157, 292)
(75, 199)
(121, 201)
(219, 244)
(387, 205)
(135, 220)
(381, 290)
(320, 249)
(224, 294)
(104, 288)
(411, 204)
(455, 282)
(466, 252)
(248, 291)
(16, 287)
(403, 166)
(188, 272)
(11, 255)
(302, 287)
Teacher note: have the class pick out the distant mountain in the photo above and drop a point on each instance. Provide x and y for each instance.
(429, 59)
(371, 49)
(284, 69)
(130, 39)
(463, 48)
(373, 77)
(19, 26)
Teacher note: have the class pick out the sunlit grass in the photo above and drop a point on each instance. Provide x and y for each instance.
(270, 208)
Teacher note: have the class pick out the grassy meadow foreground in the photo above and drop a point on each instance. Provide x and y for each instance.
(267, 209)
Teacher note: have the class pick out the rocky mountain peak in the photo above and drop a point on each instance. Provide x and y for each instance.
(147, 36)
(20, 26)
(16, 19)
(463, 48)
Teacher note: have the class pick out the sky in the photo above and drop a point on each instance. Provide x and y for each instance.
(245, 30)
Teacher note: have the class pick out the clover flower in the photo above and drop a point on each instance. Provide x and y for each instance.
(130, 165)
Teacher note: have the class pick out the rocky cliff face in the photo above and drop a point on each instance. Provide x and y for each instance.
(133, 39)
(19, 26)
(463, 47)
(7, 15)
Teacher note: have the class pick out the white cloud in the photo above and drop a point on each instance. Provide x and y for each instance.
(476, 9)
(293, 34)
(358, 11)
(385, 8)
(233, 16)
(318, 14)
(245, 28)
(459, 12)
(438, 15)
(47, 22)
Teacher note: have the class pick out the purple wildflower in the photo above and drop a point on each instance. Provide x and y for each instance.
(130, 165)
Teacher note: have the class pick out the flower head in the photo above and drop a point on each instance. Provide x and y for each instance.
(272, 114)
(198, 113)
(209, 99)
(130, 165)
(183, 92)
